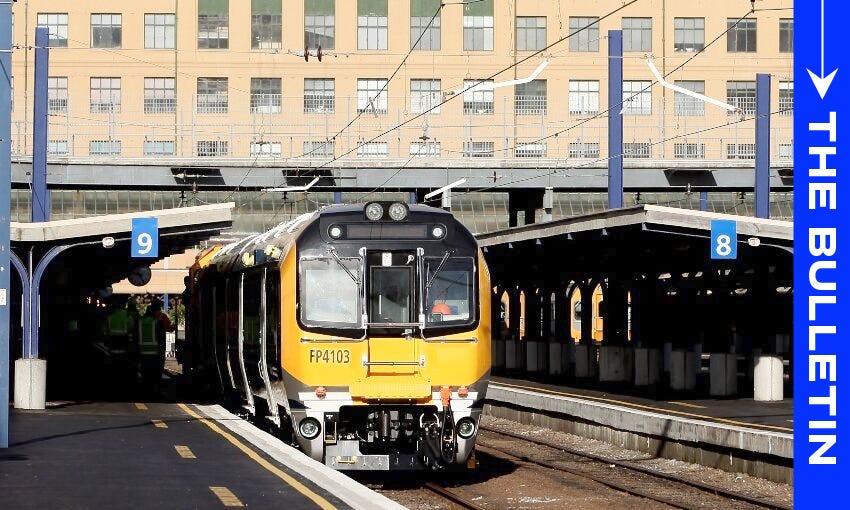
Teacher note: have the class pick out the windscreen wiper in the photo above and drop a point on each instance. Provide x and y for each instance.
(439, 268)
(351, 275)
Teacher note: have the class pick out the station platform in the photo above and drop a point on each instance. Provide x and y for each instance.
(739, 435)
(162, 455)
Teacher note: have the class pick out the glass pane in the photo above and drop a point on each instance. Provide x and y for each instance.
(389, 295)
(328, 294)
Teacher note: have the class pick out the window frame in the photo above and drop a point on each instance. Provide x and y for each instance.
(587, 38)
(741, 37)
(112, 93)
(156, 100)
(535, 35)
(156, 31)
(643, 33)
(57, 36)
(682, 33)
(316, 100)
(110, 26)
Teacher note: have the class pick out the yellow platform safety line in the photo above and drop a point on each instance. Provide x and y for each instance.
(159, 424)
(641, 406)
(184, 451)
(226, 497)
(141, 407)
(294, 483)
(686, 404)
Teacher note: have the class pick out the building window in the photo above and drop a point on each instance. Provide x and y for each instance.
(688, 34)
(266, 23)
(159, 95)
(637, 150)
(741, 37)
(424, 95)
(158, 148)
(159, 31)
(324, 149)
(786, 98)
(478, 149)
(371, 24)
(372, 150)
(786, 151)
(213, 24)
(105, 30)
(530, 150)
(584, 97)
(265, 95)
(319, 95)
(687, 106)
(637, 98)
(212, 95)
(587, 38)
(530, 98)
(105, 148)
(584, 150)
(57, 28)
(319, 24)
(57, 94)
(786, 35)
(478, 97)
(743, 95)
(530, 33)
(265, 150)
(689, 151)
(741, 151)
(637, 34)
(421, 12)
(371, 95)
(57, 148)
(478, 26)
(425, 149)
(105, 95)
(211, 148)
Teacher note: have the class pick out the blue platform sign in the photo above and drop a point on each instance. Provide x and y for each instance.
(724, 239)
(145, 238)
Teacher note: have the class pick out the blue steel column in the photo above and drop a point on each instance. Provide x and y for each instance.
(40, 197)
(5, 198)
(337, 197)
(703, 201)
(762, 146)
(615, 119)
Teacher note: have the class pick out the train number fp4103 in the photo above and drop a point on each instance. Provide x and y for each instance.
(330, 356)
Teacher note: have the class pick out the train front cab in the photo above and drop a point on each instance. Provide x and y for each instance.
(369, 387)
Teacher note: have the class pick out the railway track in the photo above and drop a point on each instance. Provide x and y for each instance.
(451, 496)
(638, 487)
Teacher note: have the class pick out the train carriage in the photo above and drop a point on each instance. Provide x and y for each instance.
(363, 329)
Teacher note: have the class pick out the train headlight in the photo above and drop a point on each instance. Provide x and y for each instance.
(465, 428)
(374, 211)
(309, 428)
(438, 232)
(398, 211)
(335, 232)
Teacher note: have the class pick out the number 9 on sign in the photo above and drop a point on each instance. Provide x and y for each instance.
(724, 239)
(145, 238)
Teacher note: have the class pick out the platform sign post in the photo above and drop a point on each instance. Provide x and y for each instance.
(724, 239)
(144, 243)
(5, 199)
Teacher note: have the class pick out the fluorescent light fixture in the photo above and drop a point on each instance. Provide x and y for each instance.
(294, 188)
(445, 188)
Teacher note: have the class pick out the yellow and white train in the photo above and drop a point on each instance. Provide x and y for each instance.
(362, 330)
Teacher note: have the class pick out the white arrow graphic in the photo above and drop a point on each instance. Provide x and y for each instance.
(822, 82)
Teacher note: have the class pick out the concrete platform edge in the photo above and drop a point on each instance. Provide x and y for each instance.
(341, 486)
(649, 423)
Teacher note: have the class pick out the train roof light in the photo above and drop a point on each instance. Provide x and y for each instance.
(398, 211)
(438, 232)
(374, 211)
(248, 258)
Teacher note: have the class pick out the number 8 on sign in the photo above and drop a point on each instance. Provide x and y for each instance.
(724, 239)
(144, 238)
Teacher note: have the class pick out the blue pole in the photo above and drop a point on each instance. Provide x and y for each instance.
(412, 197)
(615, 119)
(5, 213)
(762, 146)
(337, 197)
(703, 201)
(165, 303)
(40, 198)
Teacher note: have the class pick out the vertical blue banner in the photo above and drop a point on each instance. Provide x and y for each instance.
(144, 242)
(821, 343)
